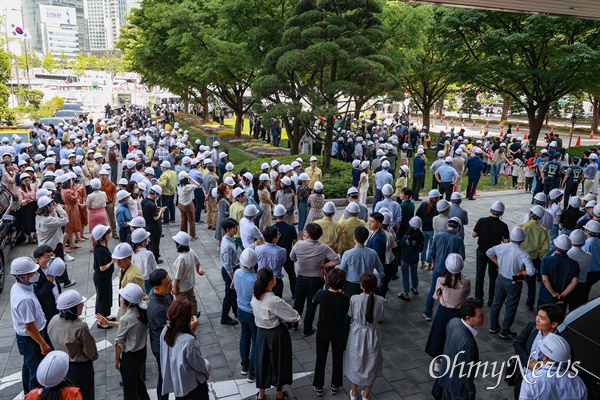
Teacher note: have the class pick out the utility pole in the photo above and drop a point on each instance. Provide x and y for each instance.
(25, 46)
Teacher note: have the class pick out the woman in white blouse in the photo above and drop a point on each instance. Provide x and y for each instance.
(142, 257)
(273, 342)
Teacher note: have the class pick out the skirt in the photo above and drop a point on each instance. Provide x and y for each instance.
(437, 334)
(98, 216)
(273, 357)
(265, 219)
(28, 215)
(81, 374)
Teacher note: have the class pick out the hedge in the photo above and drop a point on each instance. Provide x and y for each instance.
(334, 187)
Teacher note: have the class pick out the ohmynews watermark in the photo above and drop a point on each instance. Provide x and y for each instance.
(483, 369)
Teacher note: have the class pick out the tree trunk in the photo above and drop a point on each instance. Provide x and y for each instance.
(426, 118)
(440, 107)
(186, 106)
(205, 115)
(359, 104)
(536, 121)
(327, 147)
(595, 113)
(237, 131)
(506, 104)
(293, 140)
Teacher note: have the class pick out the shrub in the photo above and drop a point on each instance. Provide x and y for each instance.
(334, 187)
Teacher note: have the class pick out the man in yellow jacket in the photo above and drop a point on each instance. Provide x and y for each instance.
(314, 173)
(168, 183)
(332, 231)
(536, 244)
(349, 225)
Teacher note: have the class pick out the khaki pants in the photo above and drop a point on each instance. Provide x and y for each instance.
(211, 212)
(587, 186)
(459, 183)
(110, 210)
(189, 295)
(187, 216)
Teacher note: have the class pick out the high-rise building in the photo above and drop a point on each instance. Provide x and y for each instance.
(103, 23)
(59, 30)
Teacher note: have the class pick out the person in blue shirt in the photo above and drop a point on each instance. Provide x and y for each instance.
(573, 176)
(123, 215)
(443, 244)
(592, 246)
(355, 173)
(540, 165)
(359, 260)
(243, 284)
(560, 275)
(474, 168)
(447, 177)
(391, 205)
(419, 166)
(270, 255)
(382, 178)
(551, 174)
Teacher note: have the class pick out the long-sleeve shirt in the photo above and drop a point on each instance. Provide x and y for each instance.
(310, 255)
(123, 215)
(74, 338)
(511, 259)
(359, 260)
(270, 310)
(452, 297)
(348, 227)
(536, 242)
(249, 233)
(442, 245)
(26, 197)
(182, 365)
(168, 182)
(592, 246)
(332, 234)
(228, 254)
(132, 333)
(48, 228)
(271, 256)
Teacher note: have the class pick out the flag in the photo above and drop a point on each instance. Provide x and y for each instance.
(19, 32)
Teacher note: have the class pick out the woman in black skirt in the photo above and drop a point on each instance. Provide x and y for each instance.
(27, 201)
(273, 342)
(103, 272)
(451, 289)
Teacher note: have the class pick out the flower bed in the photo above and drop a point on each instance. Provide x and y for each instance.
(268, 151)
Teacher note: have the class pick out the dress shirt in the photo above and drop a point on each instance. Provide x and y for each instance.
(583, 258)
(442, 245)
(382, 178)
(536, 242)
(185, 268)
(182, 365)
(592, 246)
(446, 173)
(394, 208)
(185, 194)
(49, 228)
(472, 330)
(332, 234)
(511, 259)
(236, 211)
(228, 253)
(132, 333)
(74, 338)
(243, 283)
(144, 260)
(25, 308)
(249, 233)
(310, 255)
(358, 260)
(546, 385)
(272, 256)
(270, 310)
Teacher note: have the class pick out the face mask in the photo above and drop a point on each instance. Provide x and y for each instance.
(136, 191)
(34, 278)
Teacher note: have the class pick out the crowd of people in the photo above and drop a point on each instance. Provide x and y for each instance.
(122, 179)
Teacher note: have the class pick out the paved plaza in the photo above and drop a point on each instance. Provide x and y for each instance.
(404, 332)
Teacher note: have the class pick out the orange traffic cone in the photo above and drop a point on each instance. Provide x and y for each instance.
(517, 128)
(526, 137)
(474, 124)
(463, 124)
(476, 195)
(592, 134)
(488, 124)
(578, 143)
(441, 120)
(451, 121)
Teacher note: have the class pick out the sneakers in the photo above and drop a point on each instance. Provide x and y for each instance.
(508, 335)
(307, 334)
(69, 258)
(334, 390)
(352, 397)
(72, 282)
(426, 316)
(251, 379)
(244, 371)
(318, 390)
(494, 331)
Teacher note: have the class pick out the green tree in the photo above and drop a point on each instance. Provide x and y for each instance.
(49, 63)
(533, 59)
(35, 97)
(326, 44)
(63, 60)
(5, 112)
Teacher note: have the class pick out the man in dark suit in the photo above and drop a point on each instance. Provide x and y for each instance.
(548, 318)
(378, 240)
(461, 349)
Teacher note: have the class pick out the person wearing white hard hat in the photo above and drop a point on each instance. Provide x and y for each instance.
(510, 259)
(272, 256)
(332, 231)
(411, 245)
(132, 335)
(363, 182)
(103, 271)
(570, 215)
(447, 177)
(560, 275)
(349, 225)
(589, 173)
(70, 334)
(551, 378)
(153, 216)
(489, 231)
(52, 374)
(168, 183)
(584, 259)
(128, 272)
(381, 178)
(223, 206)
(440, 221)
(592, 246)
(142, 257)
(96, 204)
(353, 197)
(573, 177)
(249, 232)
(452, 290)
(28, 319)
(401, 181)
(236, 211)
(434, 167)
(315, 203)
(358, 260)
(536, 245)
(185, 196)
(550, 174)
(396, 212)
(185, 265)
(265, 201)
(426, 212)
(229, 263)
(552, 207)
(47, 288)
(27, 201)
(210, 202)
(123, 215)
(314, 173)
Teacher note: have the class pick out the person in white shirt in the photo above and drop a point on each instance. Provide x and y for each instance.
(142, 257)
(248, 230)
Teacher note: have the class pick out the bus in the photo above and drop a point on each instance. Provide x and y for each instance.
(56, 77)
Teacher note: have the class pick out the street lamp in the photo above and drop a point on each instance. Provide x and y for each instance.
(573, 120)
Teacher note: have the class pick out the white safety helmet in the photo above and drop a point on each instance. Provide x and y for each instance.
(442, 206)
(555, 348)
(237, 192)
(248, 258)
(122, 195)
(139, 235)
(122, 251)
(433, 194)
(578, 237)
(574, 201)
(303, 177)
(352, 208)
(454, 263)
(182, 238)
(250, 210)
(562, 243)
(23, 265)
(133, 293)
(68, 299)
(265, 177)
(540, 197)
(53, 369)
(318, 186)
(456, 197)
(517, 234)
(96, 184)
(329, 208)
(279, 211)
(385, 164)
(555, 194)
(286, 181)
(138, 222)
(497, 208)
(56, 267)
(99, 231)
(537, 211)
(387, 190)
(415, 222)
(592, 226)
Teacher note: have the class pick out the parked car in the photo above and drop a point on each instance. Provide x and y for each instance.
(53, 120)
(75, 107)
(580, 329)
(11, 231)
(24, 126)
(66, 114)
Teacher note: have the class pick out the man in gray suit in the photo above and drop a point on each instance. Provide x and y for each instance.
(456, 379)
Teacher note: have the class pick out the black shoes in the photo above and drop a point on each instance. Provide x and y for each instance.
(229, 321)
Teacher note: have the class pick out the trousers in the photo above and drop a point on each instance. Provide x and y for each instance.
(32, 357)
(306, 287)
(509, 293)
(484, 263)
(187, 218)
